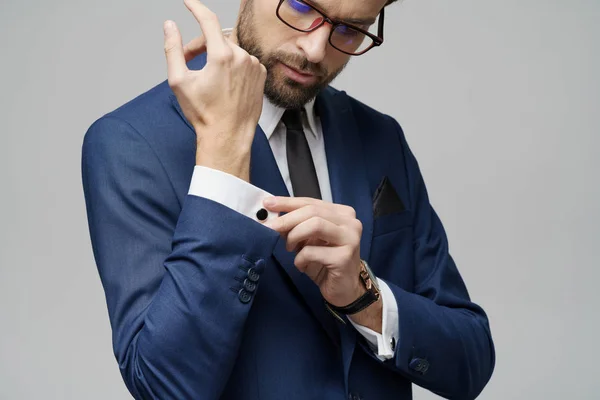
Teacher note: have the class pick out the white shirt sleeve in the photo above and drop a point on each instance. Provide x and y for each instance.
(383, 344)
(231, 192)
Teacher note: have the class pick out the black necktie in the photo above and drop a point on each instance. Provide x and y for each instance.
(300, 163)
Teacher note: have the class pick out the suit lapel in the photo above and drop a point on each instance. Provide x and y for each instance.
(346, 161)
(349, 183)
(265, 174)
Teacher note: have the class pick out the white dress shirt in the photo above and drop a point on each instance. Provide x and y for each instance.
(246, 199)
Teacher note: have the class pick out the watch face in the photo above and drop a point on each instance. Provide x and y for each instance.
(371, 275)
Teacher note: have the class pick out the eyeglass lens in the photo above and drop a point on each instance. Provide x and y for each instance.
(303, 17)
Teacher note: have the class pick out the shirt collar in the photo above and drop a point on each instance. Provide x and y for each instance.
(271, 116)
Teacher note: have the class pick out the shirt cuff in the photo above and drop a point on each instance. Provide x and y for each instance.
(231, 192)
(383, 344)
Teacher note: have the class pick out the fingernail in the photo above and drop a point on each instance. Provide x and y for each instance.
(269, 202)
(168, 26)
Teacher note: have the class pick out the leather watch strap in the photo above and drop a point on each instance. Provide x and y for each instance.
(356, 306)
(371, 295)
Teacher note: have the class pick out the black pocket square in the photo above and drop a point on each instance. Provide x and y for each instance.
(386, 200)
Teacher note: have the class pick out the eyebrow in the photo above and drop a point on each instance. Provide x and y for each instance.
(355, 21)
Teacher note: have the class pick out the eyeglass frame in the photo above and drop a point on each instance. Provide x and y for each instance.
(334, 22)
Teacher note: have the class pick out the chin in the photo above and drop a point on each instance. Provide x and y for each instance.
(287, 93)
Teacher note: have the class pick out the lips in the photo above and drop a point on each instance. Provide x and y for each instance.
(299, 71)
(299, 76)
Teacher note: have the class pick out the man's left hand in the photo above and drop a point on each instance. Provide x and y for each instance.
(326, 237)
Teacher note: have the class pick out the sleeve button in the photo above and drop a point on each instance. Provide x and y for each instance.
(419, 365)
(249, 285)
(253, 275)
(244, 296)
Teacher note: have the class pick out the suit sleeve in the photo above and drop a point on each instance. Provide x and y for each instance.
(444, 344)
(172, 273)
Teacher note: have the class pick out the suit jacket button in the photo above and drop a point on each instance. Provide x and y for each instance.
(420, 365)
(253, 275)
(249, 285)
(244, 296)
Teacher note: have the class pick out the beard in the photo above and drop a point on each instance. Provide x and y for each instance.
(280, 90)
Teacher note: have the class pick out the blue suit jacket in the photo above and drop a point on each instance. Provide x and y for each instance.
(172, 266)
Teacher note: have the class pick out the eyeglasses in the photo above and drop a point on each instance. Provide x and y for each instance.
(350, 39)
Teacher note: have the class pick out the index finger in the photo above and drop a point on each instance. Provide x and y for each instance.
(287, 204)
(287, 222)
(209, 23)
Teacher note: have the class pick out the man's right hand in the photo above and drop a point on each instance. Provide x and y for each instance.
(223, 101)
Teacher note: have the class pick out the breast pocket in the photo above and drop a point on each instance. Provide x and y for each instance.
(392, 222)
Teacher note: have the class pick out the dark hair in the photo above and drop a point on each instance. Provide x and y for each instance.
(390, 2)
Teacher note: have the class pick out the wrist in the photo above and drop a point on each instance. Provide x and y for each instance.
(236, 166)
(358, 291)
(353, 291)
(371, 317)
(365, 293)
(232, 157)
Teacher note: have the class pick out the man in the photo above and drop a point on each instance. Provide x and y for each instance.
(261, 235)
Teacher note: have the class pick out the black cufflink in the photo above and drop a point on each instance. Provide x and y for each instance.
(262, 214)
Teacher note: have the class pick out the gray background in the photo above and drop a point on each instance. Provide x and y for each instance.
(499, 101)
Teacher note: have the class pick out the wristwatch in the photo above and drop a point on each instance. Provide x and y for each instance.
(371, 296)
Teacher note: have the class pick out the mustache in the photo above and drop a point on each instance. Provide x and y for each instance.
(300, 63)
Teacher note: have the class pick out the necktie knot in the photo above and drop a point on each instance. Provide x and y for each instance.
(292, 119)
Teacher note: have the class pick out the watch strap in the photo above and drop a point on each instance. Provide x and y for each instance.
(356, 306)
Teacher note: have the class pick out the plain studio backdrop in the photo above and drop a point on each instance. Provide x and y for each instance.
(500, 101)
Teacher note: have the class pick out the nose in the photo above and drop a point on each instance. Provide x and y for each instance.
(314, 44)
